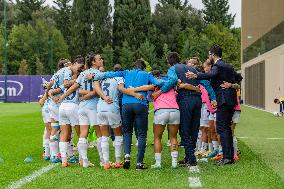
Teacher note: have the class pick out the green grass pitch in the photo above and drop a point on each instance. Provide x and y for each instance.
(260, 166)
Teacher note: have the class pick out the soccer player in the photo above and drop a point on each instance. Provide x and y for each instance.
(134, 110)
(47, 129)
(166, 114)
(87, 108)
(54, 91)
(68, 111)
(280, 101)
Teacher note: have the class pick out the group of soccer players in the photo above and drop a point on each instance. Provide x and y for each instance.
(80, 95)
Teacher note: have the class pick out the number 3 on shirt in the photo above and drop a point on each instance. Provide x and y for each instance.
(105, 88)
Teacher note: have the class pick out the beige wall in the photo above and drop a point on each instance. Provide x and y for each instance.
(259, 17)
(274, 76)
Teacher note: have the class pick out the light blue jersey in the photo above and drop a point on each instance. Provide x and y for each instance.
(45, 106)
(88, 86)
(73, 97)
(58, 79)
(110, 88)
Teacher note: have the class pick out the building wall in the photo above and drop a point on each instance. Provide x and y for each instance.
(274, 76)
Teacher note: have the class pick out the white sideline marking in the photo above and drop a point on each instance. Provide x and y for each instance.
(275, 138)
(194, 169)
(31, 177)
(194, 182)
(263, 138)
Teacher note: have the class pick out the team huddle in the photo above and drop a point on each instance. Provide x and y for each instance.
(196, 100)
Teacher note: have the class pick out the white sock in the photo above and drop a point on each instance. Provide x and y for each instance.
(63, 146)
(83, 148)
(215, 145)
(53, 146)
(70, 150)
(199, 141)
(210, 147)
(235, 144)
(118, 148)
(105, 149)
(99, 147)
(158, 158)
(220, 150)
(46, 148)
(204, 146)
(174, 155)
(44, 137)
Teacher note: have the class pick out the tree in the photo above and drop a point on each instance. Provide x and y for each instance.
(39, 67)
(107, 54)
(217, 11)
(101, 33)
(186, 49)
(126, 56)
(31, 43)
(26, 9)
(170, 18)
(23, 69)
(63, 18)
(218, 34)
(147, 52)
(132, 21)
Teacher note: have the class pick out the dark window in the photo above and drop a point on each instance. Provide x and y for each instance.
(269, 41)
(255, 85)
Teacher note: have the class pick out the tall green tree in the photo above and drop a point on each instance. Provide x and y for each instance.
(217, 11)
(63, 18)
(126, 56)
(170, 19)
(147, 52)
(108, 54)
(31, 43)
(26, 8)
(101, 33)
(132, 19)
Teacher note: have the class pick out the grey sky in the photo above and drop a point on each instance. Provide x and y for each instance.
(235, 7)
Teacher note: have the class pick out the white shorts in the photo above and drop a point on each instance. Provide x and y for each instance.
(45, 116)
(236, 116)
(212, 117)
(204, 119)
(167, 116)
(68, 114)
(109, 118)
(53, 112)
(87, 117)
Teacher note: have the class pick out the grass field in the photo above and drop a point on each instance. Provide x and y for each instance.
(261, 164)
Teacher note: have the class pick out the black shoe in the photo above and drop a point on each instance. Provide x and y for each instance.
(192, 163)
(141, 166)
(183, 162)
(223, 162)
(126, 164)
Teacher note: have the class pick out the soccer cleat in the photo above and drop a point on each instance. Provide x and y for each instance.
(126, 164)
(156, 166)
(117, 165)
(88, 164)
(65, 164)
(73, 159)
(55, 160)
(140, 167)
(102, 164)
(238, 152)
(81, 163)
(236, 158)
(213, 154)
(107, 166)
(46, 158)
(223, 162)
(183, 162)
(218, 157)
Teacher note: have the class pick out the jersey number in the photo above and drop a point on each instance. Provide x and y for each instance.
(105, 88)
(90, 85)
(71, 96)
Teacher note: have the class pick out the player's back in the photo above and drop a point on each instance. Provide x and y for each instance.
(110, 88)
